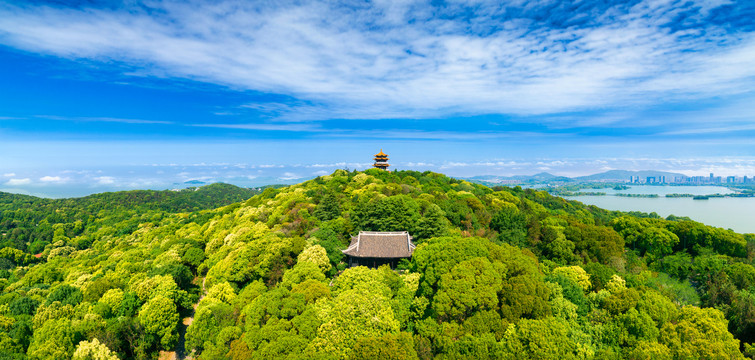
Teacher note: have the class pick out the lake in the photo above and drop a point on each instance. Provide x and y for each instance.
(733, 213)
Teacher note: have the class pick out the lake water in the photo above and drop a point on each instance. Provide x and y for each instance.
(666, 189)
(733, 213)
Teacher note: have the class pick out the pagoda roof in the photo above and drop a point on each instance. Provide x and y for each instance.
(373, 244)
(381, 153)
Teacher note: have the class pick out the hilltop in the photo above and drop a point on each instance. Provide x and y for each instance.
(499, 273)
(624, 175)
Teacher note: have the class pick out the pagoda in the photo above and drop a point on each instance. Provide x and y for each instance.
(381, 160)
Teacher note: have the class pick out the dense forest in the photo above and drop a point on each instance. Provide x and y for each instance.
(499, 273)
(30, 223)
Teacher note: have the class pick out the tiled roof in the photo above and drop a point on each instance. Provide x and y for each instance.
(381, 245)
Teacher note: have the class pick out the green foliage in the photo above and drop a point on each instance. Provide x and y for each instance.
(211, 317)
(329, 208)
(93, 350)
(55, 339)
(223, 292)
(30, 223)
(546, 338)
(353, 314)
(389, 346)
(317, 255)
(576, 274)
(525, 296)
(511, 225)
(328, 239)
(302, 272)
(700, 333)
(470, 286)
(66, 295)
(160, 318)
(23, 306)
(497, 274)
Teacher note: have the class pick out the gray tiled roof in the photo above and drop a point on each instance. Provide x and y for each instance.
(381, 245)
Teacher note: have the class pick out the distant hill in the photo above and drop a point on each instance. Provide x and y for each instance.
(543, 176)
(623, 175)
(194, 182)
(612, 175)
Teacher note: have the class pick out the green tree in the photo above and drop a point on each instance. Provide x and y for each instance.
(55, 339)
(524, 296)
(576, 274)
(317, 255)
(546, 338)
(700, 333)
(353, 314)
(93, 350)
(211, 317)
(389, 346)
(159, 317)
(328, 208)
(470, 286)
(511, 225)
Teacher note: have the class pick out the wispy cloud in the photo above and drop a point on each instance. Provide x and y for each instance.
(386, 59)
(265, 127)
(289, 176)
(9, 174)
(105, 180)
(104, 119)
(16, 182)
(712, 130)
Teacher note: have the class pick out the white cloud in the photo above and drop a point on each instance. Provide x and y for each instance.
(340, 165)
(419, 164)
(9, 174)
(371, 62)
(14, 182)
(105, 180)
(289, 176)
(50, 179)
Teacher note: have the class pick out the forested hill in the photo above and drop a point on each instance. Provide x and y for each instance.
(28, 223)
(501, 273)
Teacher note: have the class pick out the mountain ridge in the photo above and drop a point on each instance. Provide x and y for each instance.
(610, 175)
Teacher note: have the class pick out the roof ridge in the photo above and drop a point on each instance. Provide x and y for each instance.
(384, 233)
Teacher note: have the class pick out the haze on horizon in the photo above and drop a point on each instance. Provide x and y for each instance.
(120, 95)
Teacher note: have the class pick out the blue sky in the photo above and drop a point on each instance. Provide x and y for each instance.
(104, 95)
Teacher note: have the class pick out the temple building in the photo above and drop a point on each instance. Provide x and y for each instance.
(372, 249)
(381, 160)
